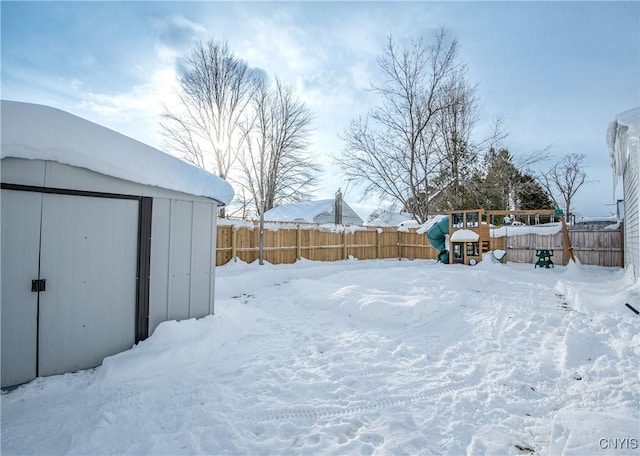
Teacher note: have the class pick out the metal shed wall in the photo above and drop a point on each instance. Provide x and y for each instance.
(183, 239)
(183, 235)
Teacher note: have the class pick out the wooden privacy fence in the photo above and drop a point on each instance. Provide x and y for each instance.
(596, 247)
(287, 242)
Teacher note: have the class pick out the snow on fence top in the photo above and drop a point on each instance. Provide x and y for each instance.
(37, 132)
(623, 135)
(545, 229)
(276, 226)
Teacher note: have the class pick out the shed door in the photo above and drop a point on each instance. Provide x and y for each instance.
(20, 248)
(88, 257)
(86, 248)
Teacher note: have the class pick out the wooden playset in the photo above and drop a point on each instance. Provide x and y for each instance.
(470, 235)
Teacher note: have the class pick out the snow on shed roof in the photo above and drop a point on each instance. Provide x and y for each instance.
(299, 212)
(40, 132)
(623, 134)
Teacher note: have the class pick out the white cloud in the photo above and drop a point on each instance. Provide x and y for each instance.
(176, 34)
(328, 51)
(167, 54)
(283, 47)
(136, 111)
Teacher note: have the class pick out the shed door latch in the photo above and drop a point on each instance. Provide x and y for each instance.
(38, 285)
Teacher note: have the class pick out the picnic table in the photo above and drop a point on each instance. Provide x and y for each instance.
(544, 258)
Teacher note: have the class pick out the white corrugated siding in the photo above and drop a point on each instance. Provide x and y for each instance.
(623, 138)
(349, 216)
(632, 212)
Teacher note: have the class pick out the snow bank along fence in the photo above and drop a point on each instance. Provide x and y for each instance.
(287, 242)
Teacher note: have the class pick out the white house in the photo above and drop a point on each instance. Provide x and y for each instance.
(103, 238)
(323, 211)
(623, 137)
(389, 218)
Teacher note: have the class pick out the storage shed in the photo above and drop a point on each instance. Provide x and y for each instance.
(103, 238)
(623, 136)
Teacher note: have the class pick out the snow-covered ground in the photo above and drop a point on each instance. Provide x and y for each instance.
(363, 357)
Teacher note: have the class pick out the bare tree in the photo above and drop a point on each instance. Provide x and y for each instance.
(393, 151)
(454, 124)
(241, 204)
(276, 166)
(564, 179)
(215, 89)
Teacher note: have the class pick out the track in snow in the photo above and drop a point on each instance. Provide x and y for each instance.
(322, 412)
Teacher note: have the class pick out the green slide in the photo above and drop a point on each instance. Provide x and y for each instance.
(436, 236)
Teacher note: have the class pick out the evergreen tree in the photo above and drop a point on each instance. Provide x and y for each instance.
(505, 187)
(531, 195)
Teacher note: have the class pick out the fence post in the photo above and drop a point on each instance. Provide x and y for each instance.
(234, 243)
(298, 242)
(622, 244)
(345, 252)
(568, 248)
(399, 245)
(378, 246)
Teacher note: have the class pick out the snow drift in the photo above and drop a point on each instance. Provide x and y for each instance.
(362, 357)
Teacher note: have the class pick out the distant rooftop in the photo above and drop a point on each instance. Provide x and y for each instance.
(299, 212)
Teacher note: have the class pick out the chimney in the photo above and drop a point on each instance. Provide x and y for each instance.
(338, 208)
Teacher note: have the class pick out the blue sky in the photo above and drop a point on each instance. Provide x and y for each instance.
(557, 72)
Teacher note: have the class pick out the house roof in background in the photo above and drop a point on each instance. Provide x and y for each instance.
(299, 212)
(389, 218)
